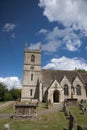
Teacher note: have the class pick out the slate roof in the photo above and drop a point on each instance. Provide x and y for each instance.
(84, 76)
(50, 75)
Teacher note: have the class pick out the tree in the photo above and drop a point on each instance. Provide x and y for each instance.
(81, 70)
(16, 93)
(3, 90)
(8, 96)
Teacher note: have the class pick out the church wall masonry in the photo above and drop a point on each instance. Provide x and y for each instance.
(54, 85)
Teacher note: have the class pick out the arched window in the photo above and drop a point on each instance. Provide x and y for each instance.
(33, 58)
(78, 90)
(66, 91)
(31, 77)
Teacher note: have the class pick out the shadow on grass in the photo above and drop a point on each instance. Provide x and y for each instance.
(79, 128)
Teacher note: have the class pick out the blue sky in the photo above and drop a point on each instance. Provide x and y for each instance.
(59, 26)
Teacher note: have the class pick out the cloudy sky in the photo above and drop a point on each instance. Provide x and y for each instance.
(60, 26)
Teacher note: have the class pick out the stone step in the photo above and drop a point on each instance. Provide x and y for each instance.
(57, 107)
(54, 108)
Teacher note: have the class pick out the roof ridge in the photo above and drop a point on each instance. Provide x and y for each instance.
(59, 70)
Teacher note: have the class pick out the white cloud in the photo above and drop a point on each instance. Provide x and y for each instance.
(72, 46)
(68, 12)
(51, 46)
(64, 38)
(72, 41)
(9, 27)
(65, 63)
(11, 82)
(43, 31)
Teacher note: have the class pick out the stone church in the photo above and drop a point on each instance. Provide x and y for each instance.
(50, 85)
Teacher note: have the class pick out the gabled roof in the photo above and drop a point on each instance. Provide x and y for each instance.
(52, 83)
(84, 76)
(50, 75)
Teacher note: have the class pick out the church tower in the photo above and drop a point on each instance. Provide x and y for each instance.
(31, 74)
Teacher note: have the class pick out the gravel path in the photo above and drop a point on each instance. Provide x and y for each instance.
(54, 108)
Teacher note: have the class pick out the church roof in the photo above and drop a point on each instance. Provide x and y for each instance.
(50, 75)
(84, 76)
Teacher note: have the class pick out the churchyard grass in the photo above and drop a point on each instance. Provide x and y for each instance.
(2, 102)
(42, 106)
(80, 118)
(7, 110)
(46, 121)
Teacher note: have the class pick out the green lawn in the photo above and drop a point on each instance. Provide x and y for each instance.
(80, 119)
(7, 110)
(48, 121)
(2, 102)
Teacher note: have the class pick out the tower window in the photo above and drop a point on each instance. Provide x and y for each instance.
(31, 92)
(33, 58)
(31, 77)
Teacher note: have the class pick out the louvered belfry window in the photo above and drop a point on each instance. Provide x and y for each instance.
(32, 58)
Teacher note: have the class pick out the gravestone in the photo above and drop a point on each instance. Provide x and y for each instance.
(25, 110)
(71, 122)
(6, 127)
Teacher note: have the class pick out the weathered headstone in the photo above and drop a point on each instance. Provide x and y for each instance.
(71, 122)
(6, 127)
(67, 112)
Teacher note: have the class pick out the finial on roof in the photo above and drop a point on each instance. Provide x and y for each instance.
(40, 46)
(75, 68)
(25, 44)
(31, 46)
